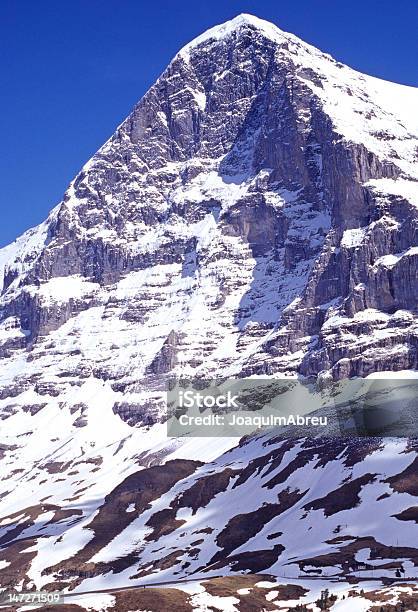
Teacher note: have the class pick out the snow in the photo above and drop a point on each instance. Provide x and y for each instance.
(362, 555)
(228, 28)
(353, 237)
(373, 107)
(162, 116)
(212, 185)
(10, 328)
(63, 289)
(362, 107)
(20, 255)
(27, 246)
(388, 261)
(387, 375)
(7, 254)
(200, 98)
(206, 602)
(95, 601)
(399, 99)
(368, 314)
(397, 187)
(351, 604)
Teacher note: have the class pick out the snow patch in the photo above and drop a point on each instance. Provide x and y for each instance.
(353, 237)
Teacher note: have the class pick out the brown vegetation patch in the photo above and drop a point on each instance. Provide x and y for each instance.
(352, 450)
(150, 599)
(253, 561)
(198, 496)
(410, 514)
(30, 515)
(345, 497)
(256, 598)
(243, 527)
(273, 536)
(197, 542)
(19, 561)
(272, 460)
(55, 467)
(159, 564)
(406, 481)
(345, 556)
(163, 522)
(204, 530)
(34, 408)
(205, 489)
(405, 601)
(140, 489)
(302, 459)
(91, 460)
(61, 514)
(359, 448)
(153, 600)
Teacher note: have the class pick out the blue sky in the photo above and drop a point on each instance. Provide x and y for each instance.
(73, 69)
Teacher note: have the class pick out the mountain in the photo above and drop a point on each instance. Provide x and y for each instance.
(255, 215)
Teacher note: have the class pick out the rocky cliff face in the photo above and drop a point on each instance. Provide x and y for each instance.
(256, 213)
(260, 178)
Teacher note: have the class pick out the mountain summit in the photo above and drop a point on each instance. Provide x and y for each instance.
(254, 156)
(255, 214)
(232, 26)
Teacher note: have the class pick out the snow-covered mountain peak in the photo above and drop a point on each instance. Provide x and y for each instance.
(255, 214)
(224, 30)
(248, 25)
